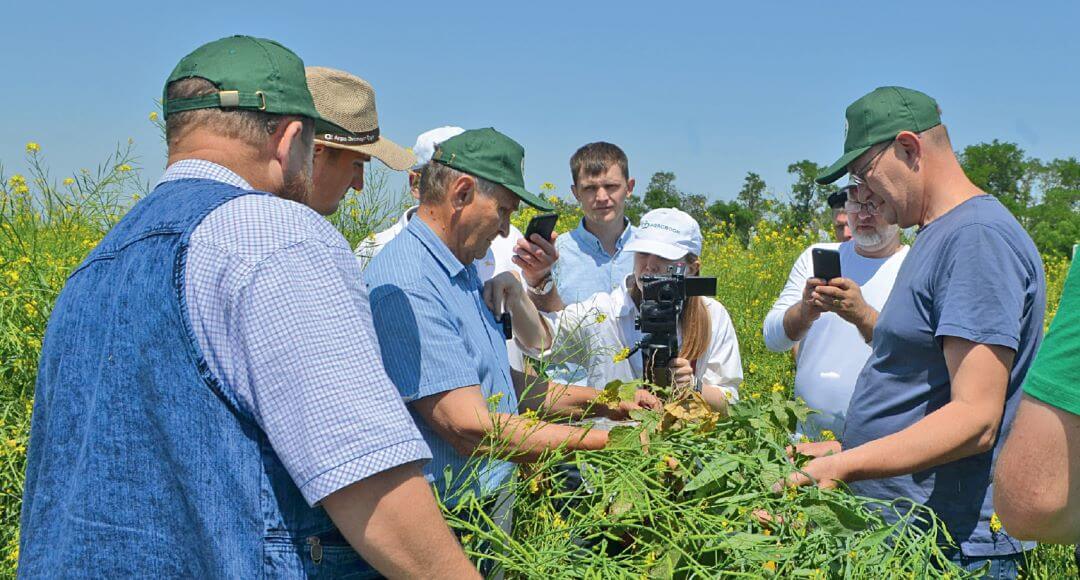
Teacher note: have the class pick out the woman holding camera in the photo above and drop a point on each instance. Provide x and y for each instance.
(599, 335)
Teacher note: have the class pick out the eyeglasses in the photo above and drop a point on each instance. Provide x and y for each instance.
(858, 178)
(854, 207)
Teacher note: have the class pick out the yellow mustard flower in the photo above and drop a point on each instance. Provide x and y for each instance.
(32, 147)
(995, 523)
(621, 355)
(69, 181)
(153, 115)
(828, 435)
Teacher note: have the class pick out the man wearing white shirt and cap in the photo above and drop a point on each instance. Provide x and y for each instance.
(832, 321)
(498, 255)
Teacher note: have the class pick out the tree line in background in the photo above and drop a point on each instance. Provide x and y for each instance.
(1044, 196)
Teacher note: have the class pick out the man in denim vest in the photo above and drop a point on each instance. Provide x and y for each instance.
(210, 400)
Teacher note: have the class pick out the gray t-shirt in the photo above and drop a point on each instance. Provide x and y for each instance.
(975, 274)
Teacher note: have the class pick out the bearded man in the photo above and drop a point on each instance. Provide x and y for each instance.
(832, 321)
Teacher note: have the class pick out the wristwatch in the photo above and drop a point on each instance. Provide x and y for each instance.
(544, 288)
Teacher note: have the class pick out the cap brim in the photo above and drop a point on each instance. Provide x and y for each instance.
(391, 154)
(530, 198)
(838, 169)
(665, 251)
(322, 125)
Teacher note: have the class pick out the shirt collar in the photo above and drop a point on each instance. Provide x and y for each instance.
(405, 217)
(587, 236)
(435, 246)
(202, 169)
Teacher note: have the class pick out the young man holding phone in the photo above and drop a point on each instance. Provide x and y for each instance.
(591, 258)
(831, 319)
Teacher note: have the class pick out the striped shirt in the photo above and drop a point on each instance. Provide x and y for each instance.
(436, 335)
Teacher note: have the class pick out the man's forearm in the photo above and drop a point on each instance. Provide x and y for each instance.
(953, 432)
(550, 302)
(383, 516)
(530, 329)
(573, 402)
(796, 323)
(866, 324)
(525, 439)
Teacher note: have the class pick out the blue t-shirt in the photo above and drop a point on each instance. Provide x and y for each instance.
(975, 274)
(436, 334)
(585, 268)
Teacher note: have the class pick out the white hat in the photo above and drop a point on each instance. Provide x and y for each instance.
(668, 233)
(427, 141)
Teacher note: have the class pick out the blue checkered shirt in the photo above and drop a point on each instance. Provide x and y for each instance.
(283, 320)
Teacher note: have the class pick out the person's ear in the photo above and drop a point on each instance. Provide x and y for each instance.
(291, 142)
(909, 148)
(461, 192)
(573, 190)
(630, 187)
(414, 184)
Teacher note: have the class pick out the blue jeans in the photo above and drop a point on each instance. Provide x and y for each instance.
(1001, 567)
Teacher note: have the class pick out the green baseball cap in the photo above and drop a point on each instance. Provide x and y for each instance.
(252, 73)
(878, 117)
(493, 156)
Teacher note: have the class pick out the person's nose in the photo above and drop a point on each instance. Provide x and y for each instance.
(847, 232)
(504, 226)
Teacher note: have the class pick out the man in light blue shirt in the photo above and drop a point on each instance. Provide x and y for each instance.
(589, 259)
(441, 344)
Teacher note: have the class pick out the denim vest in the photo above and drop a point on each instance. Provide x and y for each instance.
(140, 463)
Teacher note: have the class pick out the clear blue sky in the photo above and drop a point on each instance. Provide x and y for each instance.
(707, 90)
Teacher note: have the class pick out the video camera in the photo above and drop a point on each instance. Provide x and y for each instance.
(662, 301)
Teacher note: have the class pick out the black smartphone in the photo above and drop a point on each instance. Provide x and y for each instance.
(543, 225)
(826, 263)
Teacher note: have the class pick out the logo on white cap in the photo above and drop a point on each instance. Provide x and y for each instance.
(667, 232)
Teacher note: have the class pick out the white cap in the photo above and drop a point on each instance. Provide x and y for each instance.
(429, 140)
(668, 233)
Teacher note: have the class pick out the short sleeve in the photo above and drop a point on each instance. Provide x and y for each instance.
(776, 338)
(318, 387)
(982, 284)
(1054, 377)
(425, 363)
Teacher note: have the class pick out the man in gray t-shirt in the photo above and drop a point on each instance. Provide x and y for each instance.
(953, 342)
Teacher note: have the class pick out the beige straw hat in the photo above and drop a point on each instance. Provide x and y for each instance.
(349, 101)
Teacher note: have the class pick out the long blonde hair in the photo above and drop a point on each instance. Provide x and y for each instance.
(694, 321)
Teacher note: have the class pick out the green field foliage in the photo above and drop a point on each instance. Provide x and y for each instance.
(670, 519)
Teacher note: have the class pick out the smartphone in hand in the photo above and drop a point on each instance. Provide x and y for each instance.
(826, 263)
(543, 224)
